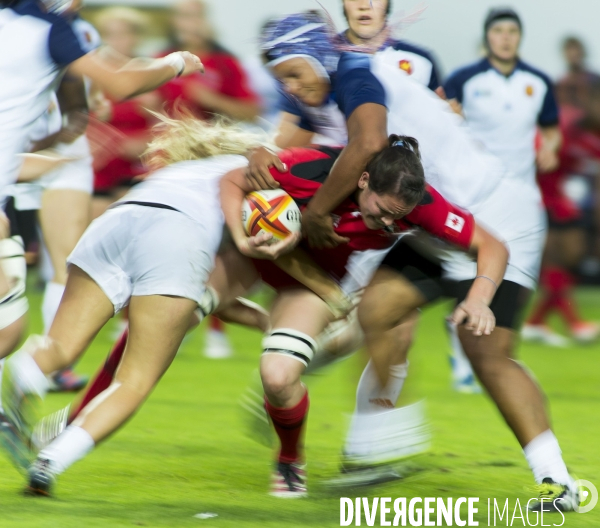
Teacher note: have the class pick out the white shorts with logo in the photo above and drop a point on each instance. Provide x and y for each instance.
(134, 250)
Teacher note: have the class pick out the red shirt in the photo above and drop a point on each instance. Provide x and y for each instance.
(308, 168)
(222, 74)
(129, 118)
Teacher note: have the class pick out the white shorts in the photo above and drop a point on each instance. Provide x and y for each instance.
(134, 250)
(76, 175)
(360, 268)
(515, 214)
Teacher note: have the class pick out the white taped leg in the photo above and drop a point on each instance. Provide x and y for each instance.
(13, 304)
(290, 342)
(209, 303)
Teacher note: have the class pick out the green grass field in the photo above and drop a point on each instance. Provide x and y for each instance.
(185, 452)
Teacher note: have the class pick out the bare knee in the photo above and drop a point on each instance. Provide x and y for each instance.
(278, 383)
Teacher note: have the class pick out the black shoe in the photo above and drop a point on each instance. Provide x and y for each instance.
(41, 478)
(554, 498)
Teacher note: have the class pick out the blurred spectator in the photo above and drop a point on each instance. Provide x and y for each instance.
(571, 197)
(573, 89)
(223, 88)
(122, 28)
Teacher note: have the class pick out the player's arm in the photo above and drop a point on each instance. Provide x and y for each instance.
(35, 165)
(294, 261)
(124, 79)
(234, 188)
(492, 259)
(547, 157)
(367, 135)
(452, 224)
(290, 133)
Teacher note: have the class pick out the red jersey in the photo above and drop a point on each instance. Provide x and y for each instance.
(308, 168)
(129, 118)
(579, 156)
(222, 74)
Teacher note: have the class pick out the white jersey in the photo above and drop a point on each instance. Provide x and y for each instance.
(191, 187)
(36, 47)
(503, 112)
(454, 164)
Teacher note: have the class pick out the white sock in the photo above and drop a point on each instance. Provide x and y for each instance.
(390, 434)
(544, 457)
(52, 297)
(28, 376)
(1, 369)
(371, 397)
(461, 366)
(69, 447)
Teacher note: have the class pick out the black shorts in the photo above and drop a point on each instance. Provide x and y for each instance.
(426, 275)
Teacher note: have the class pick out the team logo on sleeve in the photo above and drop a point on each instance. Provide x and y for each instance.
(529, 90)
(455, 222)
(406, 66)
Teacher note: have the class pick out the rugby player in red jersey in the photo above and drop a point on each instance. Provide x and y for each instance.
(392, 197)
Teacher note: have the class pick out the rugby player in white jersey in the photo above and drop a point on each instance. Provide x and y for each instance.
(38, 45)
(376, 99)
(505, 101)
(159, 267)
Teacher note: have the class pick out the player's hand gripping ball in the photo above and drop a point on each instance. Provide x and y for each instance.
(271, 211)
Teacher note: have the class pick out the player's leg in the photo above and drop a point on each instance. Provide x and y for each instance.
(298, 316)
(157, 327)
(516, 394)
(64, 216)
(233, 276)
(84, 309)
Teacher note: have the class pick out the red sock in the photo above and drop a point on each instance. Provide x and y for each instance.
(216, 324)
(556, 284)
(103, 377)
(289, 425)
(562, 283)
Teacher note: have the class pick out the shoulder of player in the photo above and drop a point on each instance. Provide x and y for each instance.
(462, 75)
(402, 45)
(351, 61)
(528, 68)
(33, 9)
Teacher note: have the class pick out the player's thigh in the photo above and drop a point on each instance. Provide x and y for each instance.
(488, 354)
(83, 311)
(157, 324)
(388, 300)
(301, 310)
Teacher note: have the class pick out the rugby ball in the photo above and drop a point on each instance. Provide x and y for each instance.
(272, 211)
